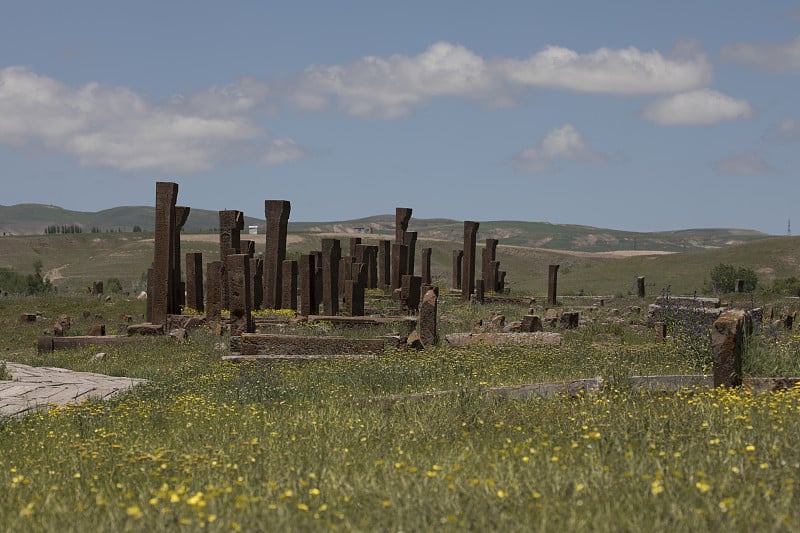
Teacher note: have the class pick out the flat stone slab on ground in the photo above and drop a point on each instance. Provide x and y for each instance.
(34, 388)
(504, 339)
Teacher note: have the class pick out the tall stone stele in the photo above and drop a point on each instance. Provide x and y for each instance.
(277, 213)
(162, 293)
(468, 263)
(552, 284)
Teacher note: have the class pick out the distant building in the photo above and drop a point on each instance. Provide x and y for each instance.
(252, 230)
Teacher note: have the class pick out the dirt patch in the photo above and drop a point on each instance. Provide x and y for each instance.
(55, 273)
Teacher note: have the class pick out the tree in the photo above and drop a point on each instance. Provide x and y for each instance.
(723, 278)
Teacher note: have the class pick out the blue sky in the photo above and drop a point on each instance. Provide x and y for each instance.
(631, 115)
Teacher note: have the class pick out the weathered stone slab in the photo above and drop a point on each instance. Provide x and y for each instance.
(215, 278)
(385, 262)
(277, 213)
(530, 324)
(727, 343)
(468, 263)
(282, 345)
(410, 240)
(144, 329)
(161, 292)
(426, 266)
(552, 284)
(48, 343)
(399, 263)
(426, 326)
(504, 339)
(308, 285)
(289, 281)
(458, 256)
(331, 254)
(688, 301)
(194, 281)
(238, 269)
(402, 216)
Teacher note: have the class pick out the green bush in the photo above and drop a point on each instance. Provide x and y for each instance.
(723, 278)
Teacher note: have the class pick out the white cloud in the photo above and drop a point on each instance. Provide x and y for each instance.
(392, 87)
(696, 108)
(115, 127)
(625, 71)
(748, 164)
(771, 56)
(563, 143)
(281, 151)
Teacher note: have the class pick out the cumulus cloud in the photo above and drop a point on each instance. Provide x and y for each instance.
(748, 164)
(771, 56)
(392, 87)
(114, 127)
(281, 151)
(696, 108)
(562, 143)
(625, 71)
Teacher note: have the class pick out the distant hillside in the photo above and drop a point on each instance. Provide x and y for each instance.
(33, 219)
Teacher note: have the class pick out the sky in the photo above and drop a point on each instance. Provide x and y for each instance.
(633, 114)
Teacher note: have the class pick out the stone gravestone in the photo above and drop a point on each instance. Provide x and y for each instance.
(488, 273)
(231, 223)
(371, 259)
(308, 282)
(317, 279)
(410, 240)
(385, 263)
(458, 255)
(739, 285)
(178, 286)
(468, 263)
(194, 281)
(238, 270)
(640, 287)
(426, 265)
(215, 277)
(289, 281)
(427, 318)
(402, 216)
(345, 273)
(354, 289)
(410, 293)
(162, 293)
(248, 248)
(552, 284)
(727, 340)
(331, 254)
(277, 213)
(479, 295)
(354, 243)
(399, 263)
(256, 280)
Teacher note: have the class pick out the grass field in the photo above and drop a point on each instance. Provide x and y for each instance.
(73, 262)
(297, 447)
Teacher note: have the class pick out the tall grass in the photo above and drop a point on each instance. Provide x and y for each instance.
(316, 446)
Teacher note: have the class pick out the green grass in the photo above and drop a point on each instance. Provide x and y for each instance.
(298, 447)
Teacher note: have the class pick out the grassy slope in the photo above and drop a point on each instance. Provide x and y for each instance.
(88, 257)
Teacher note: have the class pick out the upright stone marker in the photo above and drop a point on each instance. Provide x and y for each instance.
(488, 273)
(308, 282)
(468, 270)
(215, 277)
(178, 286)
(371, 260)
(256, 280)
(458, 256)
(402, 216)
(479, 295)
(426, 325)
(331, 254)
(289, 280)
(194, 281)
(399, 261)
(163, 294)
(354, 242)
(248, 248)
(238, 269)
(727, 341)
(410, 240)
(385, 263)
(426, 266)
(231, 223)
(640, 286)
(552, 284)
(739, 285)
(277, 213)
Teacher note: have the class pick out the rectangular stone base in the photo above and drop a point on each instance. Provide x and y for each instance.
(48, 343)
(291, 345)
